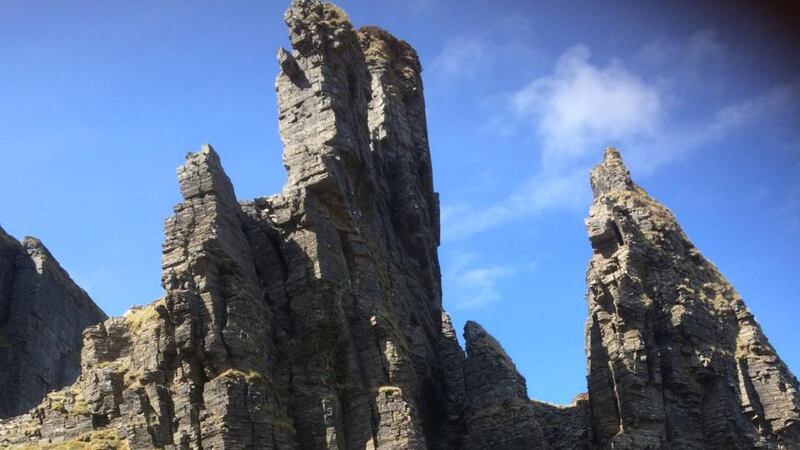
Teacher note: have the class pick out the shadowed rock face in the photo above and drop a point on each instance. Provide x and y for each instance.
(308, 319)
(675, 358)
(42, 315)
(499, 414)
(312, 319)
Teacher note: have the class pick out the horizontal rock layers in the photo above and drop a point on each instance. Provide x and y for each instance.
(309, 319)
(312, 319)
(675, 358)
(42, 315)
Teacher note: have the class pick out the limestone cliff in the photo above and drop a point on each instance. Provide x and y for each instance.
(312, 319)
(42, 315)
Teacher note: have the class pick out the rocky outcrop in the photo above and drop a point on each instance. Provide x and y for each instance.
(312, 319)
(565, 427)
(308, 319)
(675, 358)
(42, 315)
(499, 414)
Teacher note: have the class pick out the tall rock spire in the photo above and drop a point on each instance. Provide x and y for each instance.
(675, 357)
(308, 319)
(611, 175)
(312, 319)
(367, 217)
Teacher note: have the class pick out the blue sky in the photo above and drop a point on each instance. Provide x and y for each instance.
(101, 100)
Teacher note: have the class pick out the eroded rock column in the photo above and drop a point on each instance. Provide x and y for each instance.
(675, 358)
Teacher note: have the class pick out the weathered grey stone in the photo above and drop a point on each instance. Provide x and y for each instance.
(675, 358)
(565, 427)
(499, 412)
(42, 315)
(312, 319)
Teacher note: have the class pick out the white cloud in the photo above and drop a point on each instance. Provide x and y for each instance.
(680, 139)
(539, 193)
(575, 111)
(582, 107)
(476, 285)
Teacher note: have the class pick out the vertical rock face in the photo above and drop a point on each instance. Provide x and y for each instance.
(499, 414)
(42, 315)
(312, 319)
(359, 221)
(675, 358)
(308, 319)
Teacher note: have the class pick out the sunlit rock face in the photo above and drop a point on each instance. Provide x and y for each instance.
(675, 358)
(308, 319)
(312, 319)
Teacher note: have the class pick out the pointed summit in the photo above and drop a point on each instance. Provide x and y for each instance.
(488, 361)
(675, 358)
(312, 25)
(202, 174)
(499, 412)
(611, 174)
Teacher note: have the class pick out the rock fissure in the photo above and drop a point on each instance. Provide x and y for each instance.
(312, 319)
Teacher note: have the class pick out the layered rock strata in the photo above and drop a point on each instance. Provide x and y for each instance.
(42, 315)
(309, 319)
(499, 414)
(312, 319)
(676, 360)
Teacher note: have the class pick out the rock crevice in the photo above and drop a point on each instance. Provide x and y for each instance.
(312, 319)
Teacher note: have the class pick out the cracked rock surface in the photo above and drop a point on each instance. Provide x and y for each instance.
(676, 360)
(42, 315)
(312, 319)
(308, 319)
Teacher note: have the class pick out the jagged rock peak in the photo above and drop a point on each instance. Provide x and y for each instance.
(312, 23)
(38, 252)
(202, 174)
(312, 319)
(307, 319)
(382, 49)
(487, 360)
(675, 358)
(611, 175)
(499, 412)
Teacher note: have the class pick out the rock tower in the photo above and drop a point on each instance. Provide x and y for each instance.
(312, 319)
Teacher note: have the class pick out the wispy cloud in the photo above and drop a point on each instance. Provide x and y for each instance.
(689, 60)
(677, 139)
(476, 284)
(537, 194)
(582, 107)
(789, 211)
(463, 55)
